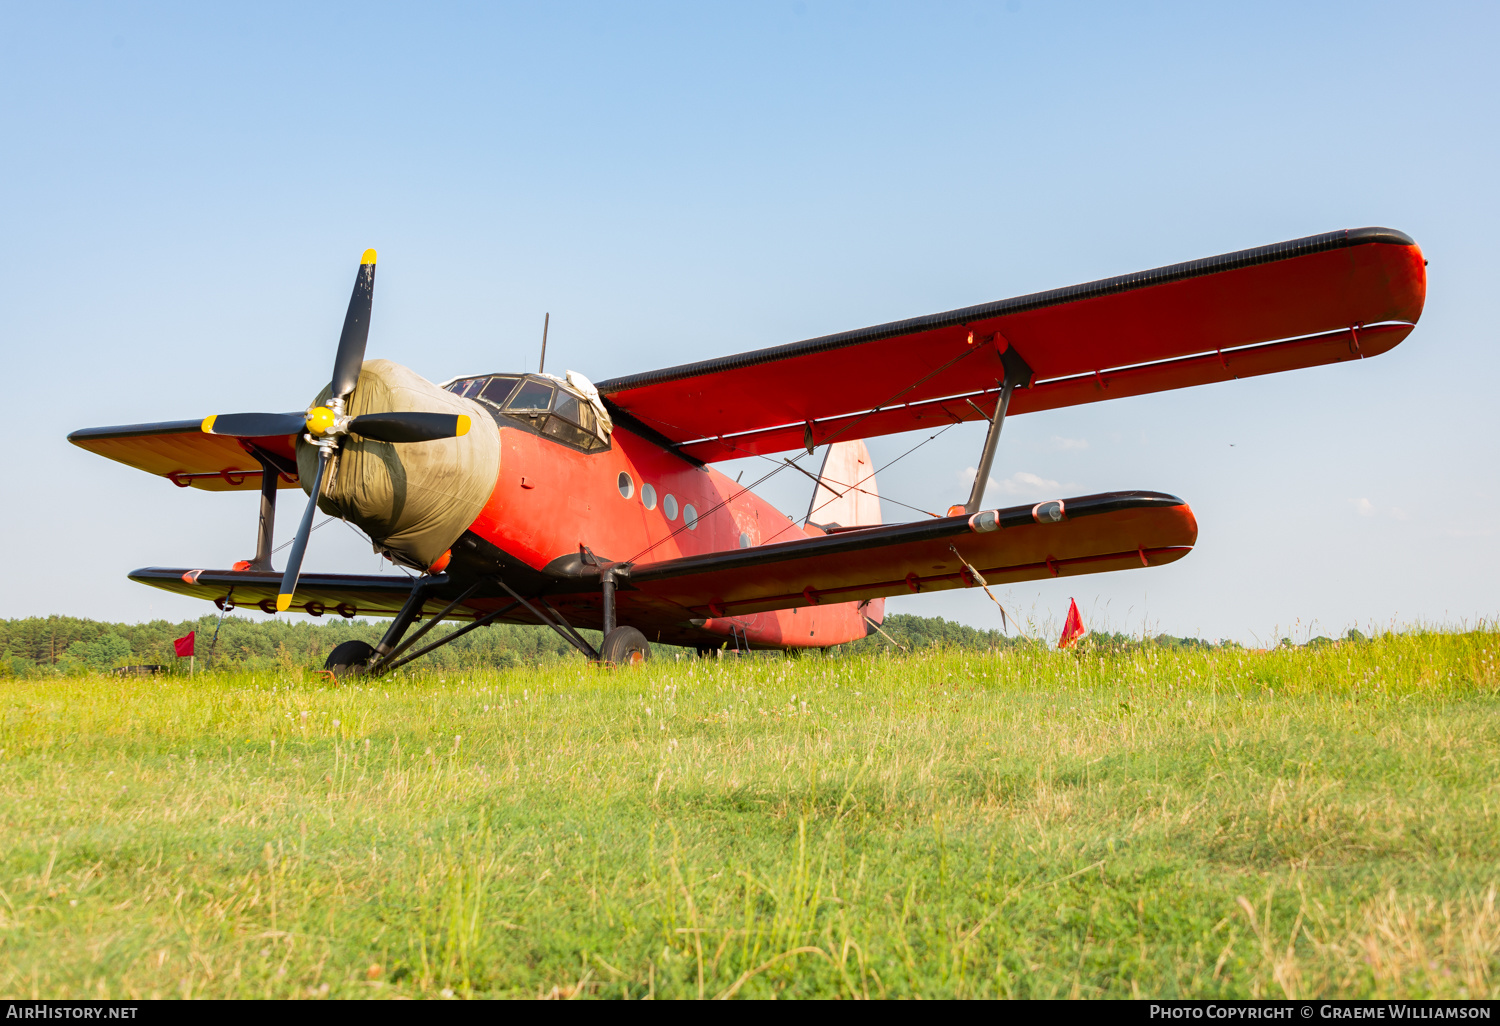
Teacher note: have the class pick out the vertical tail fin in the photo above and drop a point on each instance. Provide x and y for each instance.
(846, 496)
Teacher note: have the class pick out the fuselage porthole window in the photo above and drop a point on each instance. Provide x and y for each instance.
(669, 506)
(648, 496)
(744, 540)
(627, 485)
(690, 516)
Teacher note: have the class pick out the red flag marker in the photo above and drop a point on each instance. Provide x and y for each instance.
(184, 647)
(1073, 629)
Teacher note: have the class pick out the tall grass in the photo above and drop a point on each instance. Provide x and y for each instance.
(1025, 823)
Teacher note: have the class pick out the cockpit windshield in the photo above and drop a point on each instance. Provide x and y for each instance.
(544, 404)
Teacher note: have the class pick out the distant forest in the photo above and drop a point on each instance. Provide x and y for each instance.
(66, 644)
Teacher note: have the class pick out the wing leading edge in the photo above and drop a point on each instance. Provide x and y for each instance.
(1322, 299)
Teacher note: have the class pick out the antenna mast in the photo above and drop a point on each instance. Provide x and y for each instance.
(545, 323)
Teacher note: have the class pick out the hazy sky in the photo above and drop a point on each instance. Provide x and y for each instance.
(187, 190)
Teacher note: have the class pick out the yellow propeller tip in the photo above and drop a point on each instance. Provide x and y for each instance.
(463, 425)
(368, 258)
(208, 424)
(283, 603)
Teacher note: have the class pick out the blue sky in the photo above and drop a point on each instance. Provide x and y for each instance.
(186, 192)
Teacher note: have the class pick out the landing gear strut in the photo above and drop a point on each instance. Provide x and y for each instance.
(622, 646)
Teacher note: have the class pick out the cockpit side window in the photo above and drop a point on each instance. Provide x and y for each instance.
(568, 420)
(542, 404)
(532, 399)
(497, 390)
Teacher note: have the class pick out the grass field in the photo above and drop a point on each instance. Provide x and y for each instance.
(1033, 823)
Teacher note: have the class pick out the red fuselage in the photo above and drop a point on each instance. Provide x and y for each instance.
(549, 499)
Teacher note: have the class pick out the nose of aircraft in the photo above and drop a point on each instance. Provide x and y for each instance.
(414, 499)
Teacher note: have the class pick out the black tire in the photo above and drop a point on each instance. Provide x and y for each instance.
(350, 658)
(625, 646)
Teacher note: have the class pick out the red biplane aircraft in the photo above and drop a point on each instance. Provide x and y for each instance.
(530, 498)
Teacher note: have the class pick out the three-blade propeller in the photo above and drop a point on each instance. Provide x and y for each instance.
(326, 426)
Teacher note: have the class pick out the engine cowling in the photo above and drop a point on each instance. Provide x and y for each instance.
(414, 500)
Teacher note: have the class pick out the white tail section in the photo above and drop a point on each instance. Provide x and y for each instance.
(846, 495)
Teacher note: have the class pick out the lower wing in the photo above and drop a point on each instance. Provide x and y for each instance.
(344, 594)
(1063, 538)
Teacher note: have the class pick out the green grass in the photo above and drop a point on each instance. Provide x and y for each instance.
(1034, 823)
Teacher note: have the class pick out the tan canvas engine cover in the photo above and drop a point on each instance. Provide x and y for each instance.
(413, 498)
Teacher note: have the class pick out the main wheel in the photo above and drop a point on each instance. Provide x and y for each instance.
(352, 657)
(625, 646)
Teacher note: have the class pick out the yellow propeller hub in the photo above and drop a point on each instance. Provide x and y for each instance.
(320, 420)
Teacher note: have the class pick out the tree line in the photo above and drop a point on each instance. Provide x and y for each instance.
(42, 645)
(70, 644)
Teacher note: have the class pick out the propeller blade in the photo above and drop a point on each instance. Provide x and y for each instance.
(409, 427)
(299, 544)
(254, 425)
(351, 355)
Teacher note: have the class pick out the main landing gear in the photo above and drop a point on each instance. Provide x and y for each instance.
(625, 646)
(352, 657)
(622, 646)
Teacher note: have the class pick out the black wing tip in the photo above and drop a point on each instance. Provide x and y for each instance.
(157, 573)
(1388, 236)
(165, 427)
(1134, 499)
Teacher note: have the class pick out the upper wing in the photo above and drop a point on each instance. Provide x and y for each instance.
(1322, 299)
(1090, 534)
(181, 452)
